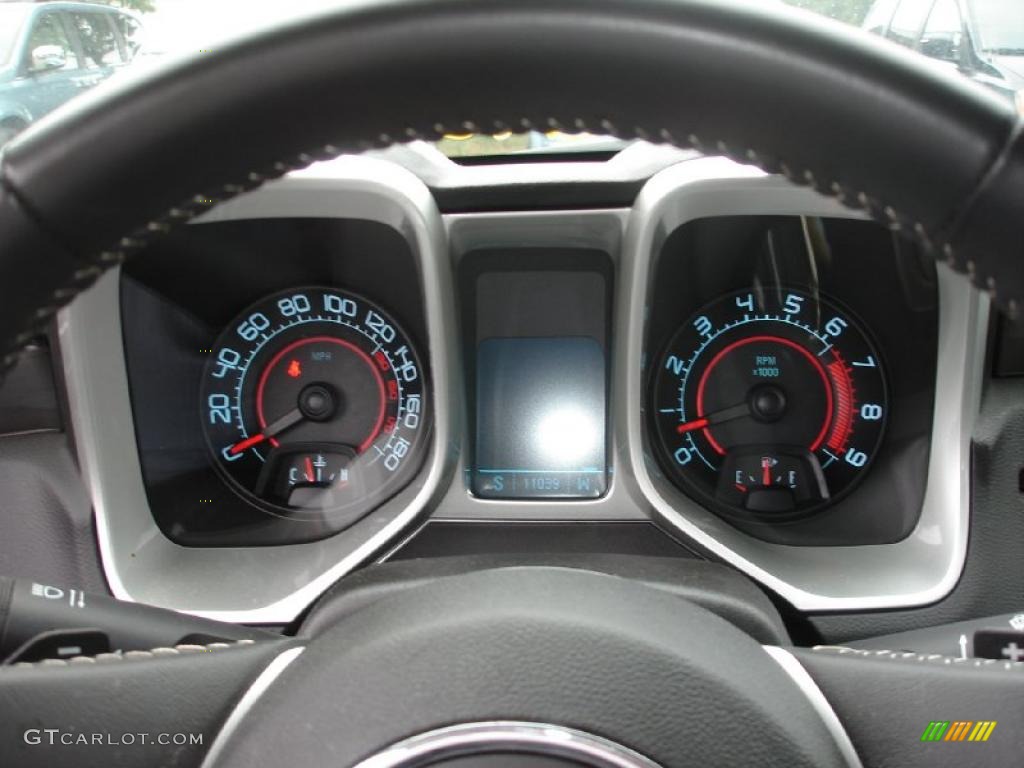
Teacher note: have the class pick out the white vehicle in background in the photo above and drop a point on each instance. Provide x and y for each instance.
(982, 39)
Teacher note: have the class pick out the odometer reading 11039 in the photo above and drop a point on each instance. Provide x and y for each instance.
(313, 404)
(773, 406)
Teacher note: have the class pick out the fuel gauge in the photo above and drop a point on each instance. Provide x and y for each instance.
(771, 479)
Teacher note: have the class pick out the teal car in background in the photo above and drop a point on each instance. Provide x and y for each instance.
(52, 51)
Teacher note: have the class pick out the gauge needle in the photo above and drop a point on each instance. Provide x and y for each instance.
(309, 469)
(290, 419)
(766, 467)
(726, 414)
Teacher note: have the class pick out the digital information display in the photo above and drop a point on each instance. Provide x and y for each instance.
(541, 381)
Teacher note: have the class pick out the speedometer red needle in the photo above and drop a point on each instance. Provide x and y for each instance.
(309, 469)
(290, 419)
(246, 444)
(766, 466)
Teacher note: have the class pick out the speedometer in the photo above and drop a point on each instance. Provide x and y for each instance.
(768, 405)
(314, 403)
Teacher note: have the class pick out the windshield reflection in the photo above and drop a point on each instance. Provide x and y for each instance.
(1000, 26)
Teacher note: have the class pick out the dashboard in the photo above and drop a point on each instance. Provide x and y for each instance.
(318, 373)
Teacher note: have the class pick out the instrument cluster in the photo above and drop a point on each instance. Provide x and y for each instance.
(791, 376)
(771, 403)
(275, 402)
(332, 369)
(282, 392)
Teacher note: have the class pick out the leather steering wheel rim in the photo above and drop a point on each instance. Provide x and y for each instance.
(878, 128)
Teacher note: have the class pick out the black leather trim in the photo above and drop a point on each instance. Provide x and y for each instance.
(538, 197)
(886, 700)
(28, 399)
(49, 533)
(31, 264)
(875, 126)
(190, 693)
(716, 588)
(990, 222)
(605, 655)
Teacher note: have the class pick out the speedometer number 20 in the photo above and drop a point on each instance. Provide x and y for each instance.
(314, 403)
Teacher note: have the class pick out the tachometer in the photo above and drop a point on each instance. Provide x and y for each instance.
(314, 402)
(770, 405)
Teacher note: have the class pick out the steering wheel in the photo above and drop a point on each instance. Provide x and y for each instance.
(545, 665)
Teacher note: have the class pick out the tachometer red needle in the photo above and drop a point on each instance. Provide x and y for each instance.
(309, 469)
(766, 466)
(690, 426)
(709, 420)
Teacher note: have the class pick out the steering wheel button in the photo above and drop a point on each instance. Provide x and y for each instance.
(999, 644)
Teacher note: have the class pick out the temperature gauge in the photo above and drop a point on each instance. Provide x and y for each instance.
(311, 478)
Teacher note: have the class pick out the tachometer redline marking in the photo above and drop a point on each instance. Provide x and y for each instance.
(844, 405)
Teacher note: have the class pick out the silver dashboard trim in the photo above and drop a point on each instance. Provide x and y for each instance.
(274, 584)
(920, 569)
(507, 736)
(252, 584)
(803, 680)
(599, 230)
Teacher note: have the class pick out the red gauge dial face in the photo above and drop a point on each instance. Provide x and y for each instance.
(772, 408)
(314, 403)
